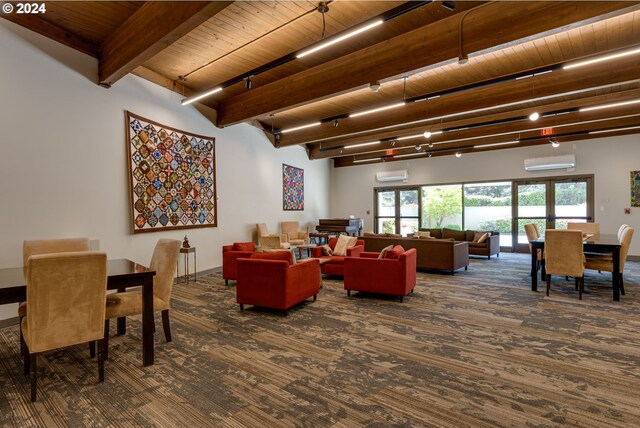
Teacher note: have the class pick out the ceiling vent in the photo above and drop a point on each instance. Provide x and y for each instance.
(552, 162)
(384, 176)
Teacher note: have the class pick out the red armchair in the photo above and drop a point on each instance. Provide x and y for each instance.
(394, 276)
(230, 254)
(271, 281)
(335, 264)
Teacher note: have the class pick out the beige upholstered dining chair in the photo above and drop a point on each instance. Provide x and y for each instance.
(48, 246)
(66, 295)
(620, 230)
(163, 261)
(605, 262)
(563, 254)
(294, 236)
(586, 228)
(268, 241)
(532, 234)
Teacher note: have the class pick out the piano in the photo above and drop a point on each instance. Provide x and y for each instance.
(350, 226)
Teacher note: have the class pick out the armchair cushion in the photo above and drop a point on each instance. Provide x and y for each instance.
(394, 253)
(274, 255)
(243, 246)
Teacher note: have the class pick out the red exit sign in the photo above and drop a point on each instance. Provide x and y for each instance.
(547, 131)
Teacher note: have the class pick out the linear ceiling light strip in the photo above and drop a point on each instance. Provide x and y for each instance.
(338, 37)
(488, 83)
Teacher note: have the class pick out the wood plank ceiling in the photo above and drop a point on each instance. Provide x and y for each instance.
(516, 56)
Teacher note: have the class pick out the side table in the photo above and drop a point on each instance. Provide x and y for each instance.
(186, 252)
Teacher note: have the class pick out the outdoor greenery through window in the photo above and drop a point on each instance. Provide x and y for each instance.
(442, 207)
(487, 206)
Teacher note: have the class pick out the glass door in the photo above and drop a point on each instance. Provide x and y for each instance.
(397, 211)
(550, 204)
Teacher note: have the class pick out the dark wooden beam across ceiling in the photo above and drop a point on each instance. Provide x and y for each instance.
(53, 32)
(152, 28)
(413, 51)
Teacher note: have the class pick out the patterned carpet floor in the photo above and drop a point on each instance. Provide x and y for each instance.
(478, 349)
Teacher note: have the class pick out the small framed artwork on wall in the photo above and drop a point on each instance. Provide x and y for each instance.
(292, 188)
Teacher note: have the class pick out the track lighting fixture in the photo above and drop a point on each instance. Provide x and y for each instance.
(463, 59)
(429, 154)
(554, 143)
(458, 154)
(430, 145)
(336, 123)
(418, 148)
(247, 82)
(375, 87)
(534, 116)
(449, 5)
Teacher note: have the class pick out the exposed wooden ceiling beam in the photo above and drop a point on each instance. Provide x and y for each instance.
(148, 31)
(570, 134)
(341, 147)
(52, 31)
(413, 51)
(550, 85)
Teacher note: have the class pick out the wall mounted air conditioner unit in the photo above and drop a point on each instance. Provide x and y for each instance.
(401, 175)
(552, 162)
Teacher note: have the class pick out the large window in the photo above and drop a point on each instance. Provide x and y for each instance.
(442, 207)
(504, 206)
(487, 206)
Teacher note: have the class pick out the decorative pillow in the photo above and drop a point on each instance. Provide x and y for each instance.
(423, 234)
(344, 242)
(274, 255)
(384, 251)
(243, 246)
(480, 239)
(326, 250)
(394, 253)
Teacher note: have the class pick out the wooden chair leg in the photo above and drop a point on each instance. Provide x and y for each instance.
(26, 359)
(348, 293)
(34, 375)
(21, 338)
(165, 325)
(105, 351)
(92, 349)
(401, 299)
(581, 288)
(548, 283)
(621, 285)
(576, 280)
(101, 348)
(226, 282)
(315, 297)
(242, 306)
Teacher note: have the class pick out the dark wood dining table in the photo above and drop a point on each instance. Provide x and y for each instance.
(121, 274)
(606, 244)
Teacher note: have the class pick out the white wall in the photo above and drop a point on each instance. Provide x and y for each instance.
(609, 159)
(63, 163)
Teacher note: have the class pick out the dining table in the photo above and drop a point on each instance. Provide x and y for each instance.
(121, 274)
(598, 243)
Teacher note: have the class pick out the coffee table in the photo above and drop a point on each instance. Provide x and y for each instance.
(307, 247)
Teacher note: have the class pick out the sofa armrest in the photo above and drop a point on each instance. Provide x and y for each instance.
(494, 244)
(355, 251)
(226, 248)
(460, 254)
(369, 254)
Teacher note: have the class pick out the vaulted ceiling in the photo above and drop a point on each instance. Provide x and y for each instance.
(468, 74)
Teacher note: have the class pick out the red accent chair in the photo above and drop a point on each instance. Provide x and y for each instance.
(270, 280)
(230, 254)
(335, 265)
(394, 276)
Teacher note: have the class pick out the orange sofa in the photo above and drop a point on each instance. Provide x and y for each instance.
(334, 264)
(394, 275)
(270, 280)
(230, 255)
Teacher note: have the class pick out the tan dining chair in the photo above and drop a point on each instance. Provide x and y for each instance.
(585, 228)
(620, 230)
(66, 296)
(48, 246)
(269, 241)
(563, 254)
(532, 234)
(294, 236)
(605, 263)
(163, 261)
